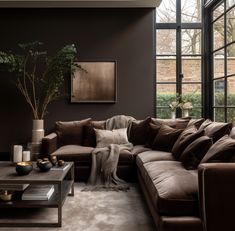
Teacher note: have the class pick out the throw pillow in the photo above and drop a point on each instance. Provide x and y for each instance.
(186, 137)
(138, 131)
(106, 137)
(196, 122)
(89, 138)
(153, 130)
(166, 138)
(193, 154)
(216, 130)
(205, 124)
(179, 123)
(71, 132)
(221, 151)
(232, 133)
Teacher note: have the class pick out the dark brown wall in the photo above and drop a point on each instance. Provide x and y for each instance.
(126, 35)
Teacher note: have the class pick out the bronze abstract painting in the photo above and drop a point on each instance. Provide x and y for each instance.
(96, 84)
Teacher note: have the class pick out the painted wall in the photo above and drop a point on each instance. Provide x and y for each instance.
(126, 35)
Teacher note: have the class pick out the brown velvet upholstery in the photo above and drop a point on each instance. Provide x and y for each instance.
(166, 138)
(179, 123)
(186, 137)
(153, 130)
(193, 154)
(221, 151)
(196, 122)
(173, 189)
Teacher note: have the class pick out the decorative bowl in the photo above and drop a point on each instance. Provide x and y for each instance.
(24, 168)
(45, 166)
(6, 196)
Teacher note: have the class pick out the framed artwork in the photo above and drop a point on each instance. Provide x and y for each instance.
(96, 83)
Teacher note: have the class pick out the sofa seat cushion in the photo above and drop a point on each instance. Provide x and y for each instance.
(173, 190)
(153, 155)
(82, 154)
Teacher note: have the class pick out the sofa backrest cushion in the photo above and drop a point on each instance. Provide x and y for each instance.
(106, 137)
(166, 138)
(221, 151)
(232, 133)
(71, 132)
(216, 130)
(196, 122)
(89, 136)
(138, 131)
(179, 123)
(186, 137)
(206, 123)
(153, 131)
(193, 154)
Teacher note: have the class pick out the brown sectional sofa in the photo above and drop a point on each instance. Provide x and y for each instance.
(179, 199)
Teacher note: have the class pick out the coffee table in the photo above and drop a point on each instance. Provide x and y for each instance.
(63, 181)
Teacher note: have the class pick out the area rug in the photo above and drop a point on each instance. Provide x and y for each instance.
(96, 211)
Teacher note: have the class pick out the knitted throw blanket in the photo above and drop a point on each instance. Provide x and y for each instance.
(103, 176)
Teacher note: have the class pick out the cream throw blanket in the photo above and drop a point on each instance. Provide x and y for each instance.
(103, 174)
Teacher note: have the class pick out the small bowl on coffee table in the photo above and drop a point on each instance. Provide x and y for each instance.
(24, 168)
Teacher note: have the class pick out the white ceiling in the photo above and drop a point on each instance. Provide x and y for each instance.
(79, 3)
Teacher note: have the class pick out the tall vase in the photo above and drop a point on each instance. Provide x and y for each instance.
(185, 113)
(38, 131)
(173, 114)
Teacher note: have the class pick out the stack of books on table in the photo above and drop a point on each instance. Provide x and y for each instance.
(38, 192)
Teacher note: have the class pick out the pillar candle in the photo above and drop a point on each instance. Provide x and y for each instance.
(17, 153)
(26, 155)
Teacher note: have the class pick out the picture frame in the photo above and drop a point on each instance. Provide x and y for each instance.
(94, 82)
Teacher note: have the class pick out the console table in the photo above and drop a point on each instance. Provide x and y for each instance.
(63, 181)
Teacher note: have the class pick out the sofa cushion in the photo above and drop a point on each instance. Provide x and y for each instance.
(232, 133)
(179, 123)
(106, 137)
(216, 130)
(89, 137)
(153, 155)
(193, 154)
(82, 155)
(196, 122)
(173, 189)
(166, 138)
(138, 131)
(221, 151)
(205, 124)
(186, 137)
(153, 130)
(71, 132)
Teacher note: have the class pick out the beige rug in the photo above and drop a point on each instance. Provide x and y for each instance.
(95, 211)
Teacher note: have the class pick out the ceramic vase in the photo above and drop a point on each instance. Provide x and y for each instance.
(38, 131)
(185, 113)
(173, 114)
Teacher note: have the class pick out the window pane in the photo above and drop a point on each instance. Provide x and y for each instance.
(231, 25)
(218, 33)
(191, 68)
(231, 91)
(231, 115)
(219, 88)
(196, 113)
(166, 42)
(229, 3)
(231, 59)
(166, 93)
(192, 93)
(164, 113)
(166, 12)
(191, 10)
(219, 63)
(219, 114)
(218, 11)
(166, 69)
(191, 41)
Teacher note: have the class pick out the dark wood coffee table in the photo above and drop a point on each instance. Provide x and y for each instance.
(63, 182)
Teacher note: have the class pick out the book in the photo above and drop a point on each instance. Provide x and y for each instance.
(62, 168)
(38, 192)
(13, 187)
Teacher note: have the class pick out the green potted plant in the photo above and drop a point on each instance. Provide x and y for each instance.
(39, 77)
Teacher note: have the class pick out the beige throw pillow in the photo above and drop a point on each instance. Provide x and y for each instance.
(106, 137)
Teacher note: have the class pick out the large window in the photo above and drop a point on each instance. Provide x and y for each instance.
(223, 53)
(178, 55)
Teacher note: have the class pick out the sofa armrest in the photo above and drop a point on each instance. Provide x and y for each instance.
(49, 144)
(217, 195)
